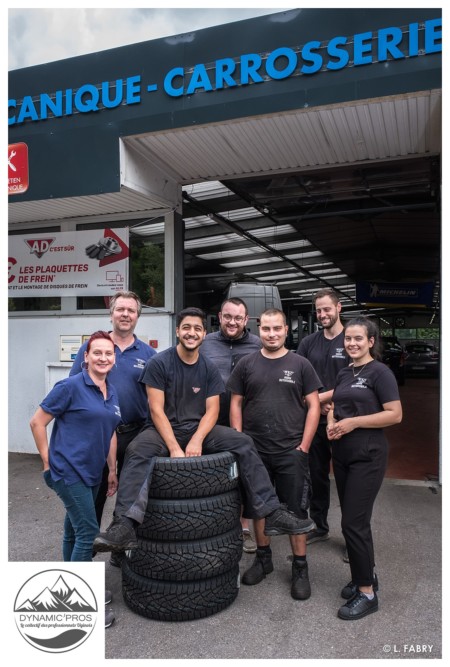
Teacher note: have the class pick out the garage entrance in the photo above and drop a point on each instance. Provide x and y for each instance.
(283, 172)
(414, 444)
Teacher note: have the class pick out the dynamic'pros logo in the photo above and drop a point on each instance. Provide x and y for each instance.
(55, 611)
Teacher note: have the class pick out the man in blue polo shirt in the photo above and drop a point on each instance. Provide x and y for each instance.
(131, 357)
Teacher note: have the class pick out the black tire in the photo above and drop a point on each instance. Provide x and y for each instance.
(194, 477)
(186, 561)
(179, 601)
(191, 518)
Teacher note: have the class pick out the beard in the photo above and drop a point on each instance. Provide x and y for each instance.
(332, 319)
(194, 344)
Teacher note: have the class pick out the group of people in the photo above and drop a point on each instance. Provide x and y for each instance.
(282, 414)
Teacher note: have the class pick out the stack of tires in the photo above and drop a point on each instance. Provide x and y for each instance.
(186, 565)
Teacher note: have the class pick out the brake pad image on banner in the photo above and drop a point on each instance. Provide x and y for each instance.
(103, 248)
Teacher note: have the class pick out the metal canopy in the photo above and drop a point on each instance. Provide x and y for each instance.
(305, 230)
(303, 199)
(334, 220)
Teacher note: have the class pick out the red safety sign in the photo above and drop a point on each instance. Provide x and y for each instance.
(18, 180)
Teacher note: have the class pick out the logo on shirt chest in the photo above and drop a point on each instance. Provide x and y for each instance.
(360, 383)
(287, 377)
(139, 363)
(339, 354)
(196, 389)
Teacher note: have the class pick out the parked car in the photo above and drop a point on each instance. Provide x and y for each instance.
(394, 356)
(422, 359)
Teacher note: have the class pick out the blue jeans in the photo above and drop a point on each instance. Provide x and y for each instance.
(80, 523)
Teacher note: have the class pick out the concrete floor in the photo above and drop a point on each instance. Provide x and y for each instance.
(265, 622)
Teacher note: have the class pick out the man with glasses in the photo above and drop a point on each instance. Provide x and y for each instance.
(183, 389)
(225, 347)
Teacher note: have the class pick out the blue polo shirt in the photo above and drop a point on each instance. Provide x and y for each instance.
(125, 378)
(83, 428)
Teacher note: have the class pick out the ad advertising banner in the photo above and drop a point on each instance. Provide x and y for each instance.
(78, 263)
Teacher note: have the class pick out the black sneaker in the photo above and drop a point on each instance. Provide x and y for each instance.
(284, 522)
(108, 596)
(300, 588)
(261, 566)
(109, 618)
(116, 558)
(317, 536)
(358, 607)
(351, 589)
(119, 536)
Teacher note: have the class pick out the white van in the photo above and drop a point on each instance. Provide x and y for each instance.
(258, 297)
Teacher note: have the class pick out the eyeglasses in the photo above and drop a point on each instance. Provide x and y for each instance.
(229, 318)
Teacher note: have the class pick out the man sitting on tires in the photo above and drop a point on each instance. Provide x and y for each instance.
(183, 390)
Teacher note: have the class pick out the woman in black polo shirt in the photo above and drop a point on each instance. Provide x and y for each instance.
(365, 401)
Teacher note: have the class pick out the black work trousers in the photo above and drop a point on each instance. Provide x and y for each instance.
(319, 468)
(359, 463)
(260, 498)
(123, 440)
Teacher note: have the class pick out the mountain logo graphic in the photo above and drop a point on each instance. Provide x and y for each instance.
(55, 611)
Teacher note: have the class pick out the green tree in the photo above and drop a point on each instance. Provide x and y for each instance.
(147, 272)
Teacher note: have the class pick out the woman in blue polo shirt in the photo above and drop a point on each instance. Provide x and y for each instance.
(86, 413)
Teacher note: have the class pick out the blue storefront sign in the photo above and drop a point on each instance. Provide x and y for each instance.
(337, 53)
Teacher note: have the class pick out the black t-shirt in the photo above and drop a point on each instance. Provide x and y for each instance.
(327, 356)
(186, 387)
(274, 409)
(366, 393)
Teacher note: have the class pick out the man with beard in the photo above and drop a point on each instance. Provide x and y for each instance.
(275, 400)
(183, 389)
(225, 347)
(325, 350)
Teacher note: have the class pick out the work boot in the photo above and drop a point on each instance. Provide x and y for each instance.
(351, 589)
(284, 522)
(116, 558)
(119, 536)
(300, 588)
(261, 566)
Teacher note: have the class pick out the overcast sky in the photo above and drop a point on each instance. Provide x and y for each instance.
(37, 36)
